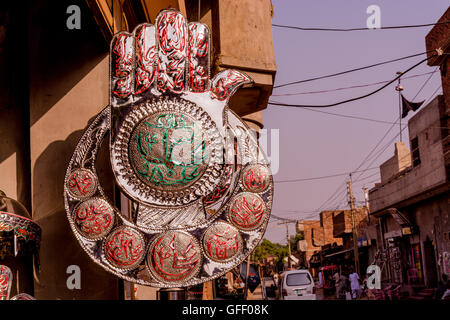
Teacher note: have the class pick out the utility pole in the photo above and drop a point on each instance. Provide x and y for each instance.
(355, 240)
(246, 278)
(287, 238)
(366, 202)
(399, 88)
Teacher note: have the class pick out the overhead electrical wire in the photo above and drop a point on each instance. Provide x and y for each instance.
(425, 83)
(337, 191)
(333, 195)
(360, 29)
(322, 177)
(367, 177)
(352, 70)
(350, 116)
(432, 96)
(352, 99)
(349, 87)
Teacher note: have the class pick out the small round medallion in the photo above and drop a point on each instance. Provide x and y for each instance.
(94, 218)
(124, 248)
(81, 183)
(247, 211)
(256, 178)
(222, 242)
(174, 257)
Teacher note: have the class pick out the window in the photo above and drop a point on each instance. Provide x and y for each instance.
(298, 279)
(415, 151)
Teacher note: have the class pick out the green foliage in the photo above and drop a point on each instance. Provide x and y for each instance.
(267, 247)
(294, 239)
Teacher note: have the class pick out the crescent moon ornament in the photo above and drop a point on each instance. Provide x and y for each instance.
(202, 186)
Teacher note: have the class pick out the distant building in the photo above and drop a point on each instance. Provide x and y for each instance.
(343, 231)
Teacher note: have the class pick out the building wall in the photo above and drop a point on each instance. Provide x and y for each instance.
(342, 222)
(399, 162)
(14, 129)
(242, 33)
(426, 216)
(438, 38)
(429, 173)
(68, 87)
(442, 235)
(311, 227)
(327, 224)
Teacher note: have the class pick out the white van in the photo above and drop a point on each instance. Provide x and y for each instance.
(297, 285)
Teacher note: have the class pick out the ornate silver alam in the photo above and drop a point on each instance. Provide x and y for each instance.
(201, 186)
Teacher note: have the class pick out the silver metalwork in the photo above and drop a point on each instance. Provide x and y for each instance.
(124, 248)
(247, 211)
(23, 296)
(6, 278)
(180, 154)
(256, 178)
(94, 218)
(222, 242)
(174, 257)
(82, 184)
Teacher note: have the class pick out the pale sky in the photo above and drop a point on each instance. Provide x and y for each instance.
(314, 144)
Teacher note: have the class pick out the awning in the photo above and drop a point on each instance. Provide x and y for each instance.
(400, 217)
(340, 252)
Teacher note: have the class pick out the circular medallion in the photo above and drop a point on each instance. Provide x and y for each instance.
(169, 151)
(94, 218)
(256, 178)
(81, 184)
(247, 211)
(124, 248)
(222, 242)
(174, 257)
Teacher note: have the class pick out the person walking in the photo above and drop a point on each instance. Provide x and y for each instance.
(336, 278)
(355, 283)
(343, 285)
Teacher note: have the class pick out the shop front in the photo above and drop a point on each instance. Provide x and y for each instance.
(404, 257)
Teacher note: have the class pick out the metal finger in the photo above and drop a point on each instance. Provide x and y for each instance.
(145, 58)
(226, 82)
(172, 36)
(199, 57)
(122, 68)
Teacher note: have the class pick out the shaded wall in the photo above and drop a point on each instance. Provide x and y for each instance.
(68, 87)
(14, 130)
